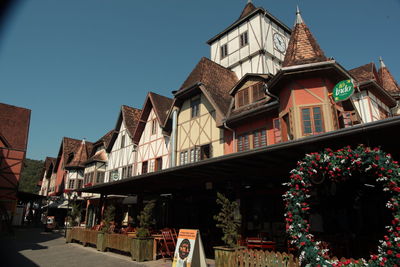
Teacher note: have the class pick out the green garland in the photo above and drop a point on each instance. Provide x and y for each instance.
(339, 166)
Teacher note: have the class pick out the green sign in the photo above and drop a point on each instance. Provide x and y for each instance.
(343, 90)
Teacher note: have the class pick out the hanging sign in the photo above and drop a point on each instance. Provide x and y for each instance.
(343, 90)
(189, 251)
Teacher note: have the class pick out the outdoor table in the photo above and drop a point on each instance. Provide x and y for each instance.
(157, 243)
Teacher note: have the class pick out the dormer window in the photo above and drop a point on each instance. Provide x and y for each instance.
(224, 51)
(250, 94)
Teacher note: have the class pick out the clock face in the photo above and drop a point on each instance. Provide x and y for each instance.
(279, 43)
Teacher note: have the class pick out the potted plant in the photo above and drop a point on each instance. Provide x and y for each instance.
(106, 223)
(143, 243)
(228, 219)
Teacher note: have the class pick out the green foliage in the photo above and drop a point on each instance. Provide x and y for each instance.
(145, 219)
(109, 215)
(30, 176)
(226, 220)
(74, 213)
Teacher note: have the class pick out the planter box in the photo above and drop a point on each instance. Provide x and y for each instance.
(89, 237)
(118, 242)
(68, 236)
(225, 256)
(142, 249)
(101, 242)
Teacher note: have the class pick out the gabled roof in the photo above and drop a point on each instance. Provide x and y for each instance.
(214, 80)
(247, 13)
(368, 79)
(364, 73)
(69, 148)
(103, 141)
(46, 166)
(14, 126)
(130, 116)
(81, 155)
(161, 106)
(387, 80)
(302, 48)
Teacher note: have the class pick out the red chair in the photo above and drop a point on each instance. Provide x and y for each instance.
(168, 243)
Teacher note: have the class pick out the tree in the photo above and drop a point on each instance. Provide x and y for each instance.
(226, 220)
(145, 220)
(30, 176)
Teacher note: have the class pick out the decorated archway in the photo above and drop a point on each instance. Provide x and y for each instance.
(339, 166)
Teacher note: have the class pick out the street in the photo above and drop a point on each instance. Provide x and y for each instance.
(33, 247)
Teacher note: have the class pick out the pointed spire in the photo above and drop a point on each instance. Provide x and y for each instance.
(382, 63)
(249, 7)
(299, 19)
(302, 48)
(83, 141)
(387, 80)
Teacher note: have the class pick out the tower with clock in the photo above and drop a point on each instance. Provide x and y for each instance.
(255, 43)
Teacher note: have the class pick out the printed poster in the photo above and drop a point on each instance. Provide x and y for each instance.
(189, 251)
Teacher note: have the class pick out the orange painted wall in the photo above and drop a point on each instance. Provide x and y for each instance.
(250, 126)
(10, 172)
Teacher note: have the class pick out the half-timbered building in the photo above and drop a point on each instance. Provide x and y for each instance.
(201, 104)
(255, 43)
(151, 138)
(121, 149)
(371, 100)
(14, 129)
(48, 168)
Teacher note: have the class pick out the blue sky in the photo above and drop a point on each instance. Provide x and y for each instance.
(75, 62)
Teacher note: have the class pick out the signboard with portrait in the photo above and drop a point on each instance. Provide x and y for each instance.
(189, 251)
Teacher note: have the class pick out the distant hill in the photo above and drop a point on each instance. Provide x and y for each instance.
(31, 175)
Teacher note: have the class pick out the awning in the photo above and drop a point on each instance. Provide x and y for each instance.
(272, 163)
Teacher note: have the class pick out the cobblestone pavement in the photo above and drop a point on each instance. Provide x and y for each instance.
(33, 247)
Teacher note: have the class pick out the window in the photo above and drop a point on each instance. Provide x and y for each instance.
(260, 138)
(243, 143)
(123, 141)
(243, 97)
(100, 177)
(158, 164)
(195, 107)
(129, 172)
(151, 167)
(258, 91)
(71, 184)
(287, 126)
(184, 157)
(144, 166)
(224, 50)
(312, 120)
(205, 152)
(277, 131)
(123, 172)
(154, 126)
(79, 183)
(244, 39)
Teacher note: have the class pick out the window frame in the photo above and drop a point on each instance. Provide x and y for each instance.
(122, 141)
(158, 164)
(277, 129)
(224, 50)
(243, 39)
(312, 120)
(195, 107)
(259, 135)
(145, 167)
(154, 127)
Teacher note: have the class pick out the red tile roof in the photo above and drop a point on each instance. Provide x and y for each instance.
(14, 126)
(217, 80)
(364, 73)
(387, 81)
(161, 106)
(247, 10)
(81, 155)
(131, 118)
(302, 48)
(72, 153)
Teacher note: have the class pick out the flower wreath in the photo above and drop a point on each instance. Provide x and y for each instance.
(339, 166)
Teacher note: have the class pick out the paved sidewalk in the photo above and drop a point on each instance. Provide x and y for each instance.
(33, 247)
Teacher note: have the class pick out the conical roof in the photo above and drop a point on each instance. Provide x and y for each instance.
(387, 80)
(247, 10)
(303, 47)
